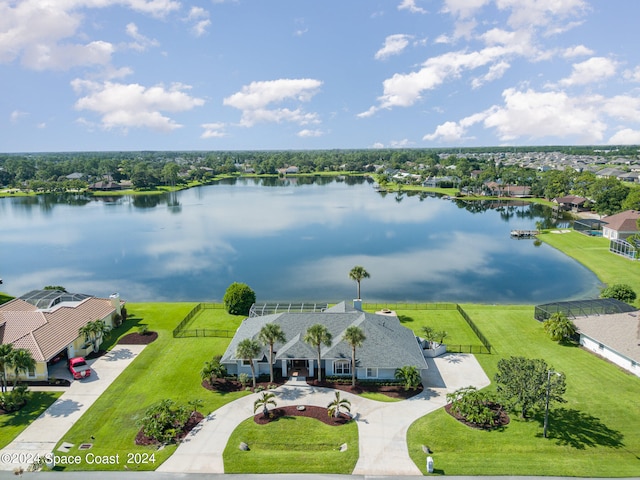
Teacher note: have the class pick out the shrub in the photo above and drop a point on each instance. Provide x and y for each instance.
(238, 299)
(143, 329)
(243, 378)
(473, 406)
(15, 399)
(164, 420)
(619, 291)
(559, 327)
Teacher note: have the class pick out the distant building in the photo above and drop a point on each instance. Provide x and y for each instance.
(621, 225)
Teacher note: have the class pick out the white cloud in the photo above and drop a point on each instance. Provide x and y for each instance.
(625, 136)
(41, 34)
(377, 145)
(447, 132)
(393, 45)
(140, 43)
(254, 99)
(577, 51)
(200, 17)
(16, 115)
(310, 133)
(545, 13)
(463, 8)
(592, 70)
(495, 72)
(400, 143)
(213, 130)
(632, 75)
(532, 114)
(132, 105)
(621, 107)
(411, 6)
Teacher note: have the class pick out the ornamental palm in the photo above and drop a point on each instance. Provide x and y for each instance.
(22, 362)
(333, 409)
(269, 335)
(318, 335)
(266, 399)
(247, 350)
(358, 273)
(354, 336)
(6, 351)
(409, 375)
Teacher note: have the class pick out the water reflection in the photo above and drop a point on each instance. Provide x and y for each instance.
(295, 240)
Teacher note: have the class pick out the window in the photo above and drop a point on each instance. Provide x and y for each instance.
(246, 363)
(372, 372)
(31, 372)
(342, 368)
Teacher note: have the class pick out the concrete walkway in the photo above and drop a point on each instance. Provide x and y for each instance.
(382, 427)
(42, 435)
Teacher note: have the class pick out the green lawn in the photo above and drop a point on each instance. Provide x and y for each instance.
(450, 321)
(215, 318)
(167, 368)
(292, 445)
(12, 424)
(593, 253)
(594, 434)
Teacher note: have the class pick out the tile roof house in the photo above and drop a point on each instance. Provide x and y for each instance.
(570, 203)
(388, 344)
(615, 337)
(621, 225)
(46, 322)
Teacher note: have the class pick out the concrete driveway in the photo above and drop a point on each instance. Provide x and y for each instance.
(382, 427)
(46, 431)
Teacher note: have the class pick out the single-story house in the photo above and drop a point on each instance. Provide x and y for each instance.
(46, 322)
(388, 344)
(433, 182)
(105, 186)
(615, 337)
(570, 203)
(621, 225)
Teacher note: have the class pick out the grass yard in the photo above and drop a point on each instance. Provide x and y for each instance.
(215, 318)
(458, 332)
(167, 368)
(292, 445)
(593, 253)
(594, 434)
(12, 424)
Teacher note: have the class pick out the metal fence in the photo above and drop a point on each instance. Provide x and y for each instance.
(409, 306)
(468, 349)
(183, 331)
(475, 329)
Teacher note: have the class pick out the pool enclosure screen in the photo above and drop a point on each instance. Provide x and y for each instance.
(582, 308)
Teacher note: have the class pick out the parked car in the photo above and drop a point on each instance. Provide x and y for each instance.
(79, 368)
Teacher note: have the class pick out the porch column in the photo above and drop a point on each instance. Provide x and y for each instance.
(311, 363)
(284, 368)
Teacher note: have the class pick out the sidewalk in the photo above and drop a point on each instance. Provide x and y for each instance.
(382, 427)
(46, 431)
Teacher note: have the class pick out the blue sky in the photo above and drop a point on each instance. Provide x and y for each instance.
(292, 74)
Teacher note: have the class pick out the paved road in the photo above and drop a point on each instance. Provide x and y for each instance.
(49, 428)
(382, 427)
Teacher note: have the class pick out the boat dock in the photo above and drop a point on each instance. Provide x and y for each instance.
(524, 233)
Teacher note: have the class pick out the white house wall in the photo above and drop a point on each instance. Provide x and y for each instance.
(610, 354)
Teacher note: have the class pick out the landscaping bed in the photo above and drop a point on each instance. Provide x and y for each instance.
(310, 411)
(502, 418)
(194, 419)
(138, 338)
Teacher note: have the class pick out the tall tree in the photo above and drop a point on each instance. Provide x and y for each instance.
(270, 334)
(354, 336)
(318, 335)
(6, 351)
(522, 383)
(22, 362)
(248, 350)
(358, 273)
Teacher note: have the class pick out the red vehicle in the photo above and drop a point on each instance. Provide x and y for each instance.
(79, 368)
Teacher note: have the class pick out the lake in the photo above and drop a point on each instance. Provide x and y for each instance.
(290, 240)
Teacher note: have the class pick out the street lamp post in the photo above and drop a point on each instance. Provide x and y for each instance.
(546, 408)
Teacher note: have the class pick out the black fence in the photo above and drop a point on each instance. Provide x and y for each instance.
(183, 330)
(476, 330)
(409, 306)
(468, 349)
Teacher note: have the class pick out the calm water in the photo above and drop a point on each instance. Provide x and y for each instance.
(289, 241)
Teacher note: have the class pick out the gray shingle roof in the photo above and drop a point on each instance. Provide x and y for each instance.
(388, 344)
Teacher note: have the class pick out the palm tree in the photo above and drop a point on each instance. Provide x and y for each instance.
(270, 334)
(354, 336)
(22, 362)
(318, 335)
(559, 327)
(357, 273)
(247, 350)
(94, 331)
(266, 399)
(213, 369)
(333, 409)
(6, 351)
(409, 375)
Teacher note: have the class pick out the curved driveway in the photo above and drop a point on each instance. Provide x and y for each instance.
(382, 427)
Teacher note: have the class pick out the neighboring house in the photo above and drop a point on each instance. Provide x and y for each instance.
(387, 347)
(75, 176)
(609, 173)
(433, 182)
(105, 186)
(570, 203)
(615, 337)
(500, 190)
(621, 225)
(289, 170)
(46, 322)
